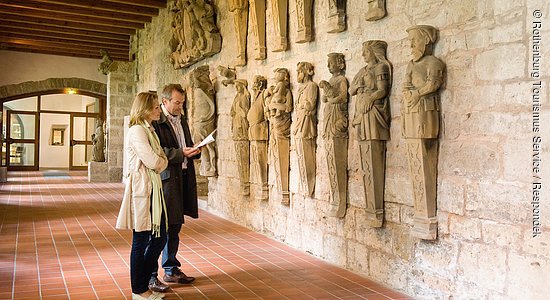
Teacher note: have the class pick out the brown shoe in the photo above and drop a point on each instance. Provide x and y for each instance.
(178, 276)
(158, 286)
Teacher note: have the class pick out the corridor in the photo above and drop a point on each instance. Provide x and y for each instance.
(59, 242)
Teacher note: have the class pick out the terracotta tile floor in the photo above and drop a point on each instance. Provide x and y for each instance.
(59, 242)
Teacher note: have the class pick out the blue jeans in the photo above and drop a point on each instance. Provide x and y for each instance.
(144, 256)
(169, 260)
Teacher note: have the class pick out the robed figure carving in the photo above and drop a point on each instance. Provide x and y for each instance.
(420, 126)
(195, 35)
(376, 10)
(204, 117)
(335, 132)
(258, 135)
(98, 141)
(278, 108)
(305, 127)
(371, 88)
(257, 21)
(279, 10)
(336, 16)
(239, 8)
(239, 133)
(304, 15)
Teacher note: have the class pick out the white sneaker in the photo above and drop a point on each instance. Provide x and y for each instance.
(151, 297)
(159, 295)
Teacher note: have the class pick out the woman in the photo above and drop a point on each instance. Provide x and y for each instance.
(143, 209)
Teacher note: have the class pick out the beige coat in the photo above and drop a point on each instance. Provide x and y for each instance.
(135, 210)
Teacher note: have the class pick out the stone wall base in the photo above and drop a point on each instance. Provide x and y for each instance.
(98, 171)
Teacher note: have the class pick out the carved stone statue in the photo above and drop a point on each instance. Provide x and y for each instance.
(98, 141)
(239, 130)
(195, 34)
(305, 127)
(279, 10)
(377, 10)
(239, 8)
(204, 117)
(228, 73)
(257, 20)
(304, 13)
(371, 86)
(258, 134)
(335, 132)
(278, 108)
(420, 126)
(106, 62)
(336, 16)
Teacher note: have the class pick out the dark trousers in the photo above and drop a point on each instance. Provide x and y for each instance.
(169, 260)
(144, 256)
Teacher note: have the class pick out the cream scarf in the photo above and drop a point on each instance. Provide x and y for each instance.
(158, 204)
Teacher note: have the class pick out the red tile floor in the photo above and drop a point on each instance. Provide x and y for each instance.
(59, 242)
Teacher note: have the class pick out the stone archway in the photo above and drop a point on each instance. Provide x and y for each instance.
(14, 91)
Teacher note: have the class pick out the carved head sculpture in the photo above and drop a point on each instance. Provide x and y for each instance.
(200, 78)
(422, 38)
(281, 74)
(260, 83)
(305, 71)
(336, 63)
(374, 50)
(227, 72)
(241, 85)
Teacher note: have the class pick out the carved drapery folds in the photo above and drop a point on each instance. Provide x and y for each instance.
(279, 9)
(257, 21)
(304, 14)
(239, 133)
(305, 128)
(420, 126)
(195, 34)
(371, 87)
(258, 135)
(278, 107)
(203, 117)
(376, 10)
(335, 132)
(239, 8)
(336, 16)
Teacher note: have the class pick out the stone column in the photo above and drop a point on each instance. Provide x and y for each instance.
(120, 95)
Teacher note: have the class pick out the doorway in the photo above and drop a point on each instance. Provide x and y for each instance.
(50, 131)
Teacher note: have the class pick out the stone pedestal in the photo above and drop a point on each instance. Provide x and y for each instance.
(3, 174)
(98, 171)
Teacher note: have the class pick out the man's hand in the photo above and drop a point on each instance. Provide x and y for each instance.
(190, 151)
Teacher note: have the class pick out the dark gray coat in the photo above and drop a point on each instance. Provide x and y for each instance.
(180, 196)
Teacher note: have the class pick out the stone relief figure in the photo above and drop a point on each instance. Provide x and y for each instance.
(336, 16)
(304, 13)
(257, 20)
(258, 134)
(371, 86)
(420, 125)
(98, 141)
(278, 107)
(376, 10)
(239, 131)
(239, 8)
(229, 74)
(204, 117)
(106, 62)
(279, 10)
(305, 127)
(335, 132)
(195, 34)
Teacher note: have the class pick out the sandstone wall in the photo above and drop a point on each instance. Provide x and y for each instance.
(485, 248)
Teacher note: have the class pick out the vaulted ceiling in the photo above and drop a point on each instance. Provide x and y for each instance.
(77, 28)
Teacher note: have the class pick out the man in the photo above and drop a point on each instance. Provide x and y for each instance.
(178, 181)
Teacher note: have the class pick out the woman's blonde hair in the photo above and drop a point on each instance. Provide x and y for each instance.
(143, 105)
